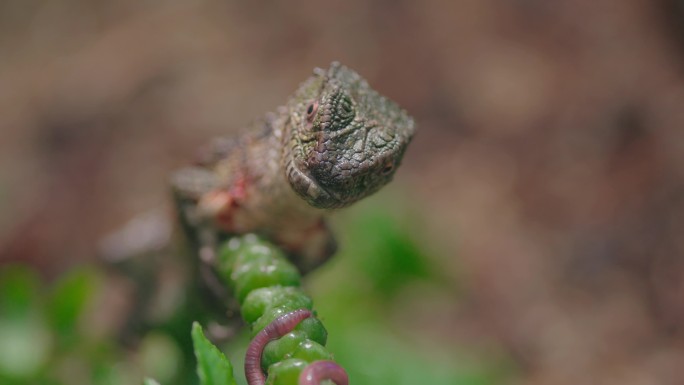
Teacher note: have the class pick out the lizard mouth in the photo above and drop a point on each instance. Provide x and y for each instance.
(310, 190)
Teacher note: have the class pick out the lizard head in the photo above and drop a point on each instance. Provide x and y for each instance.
(345, 141)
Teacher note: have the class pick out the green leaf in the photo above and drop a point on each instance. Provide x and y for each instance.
(282, 348)
(25, 346)
(150, 381)
(68, 300)
(160, 356)
(19, 291)
(25, 338)
(311, 351)
(213, 368)
(285, 372)
(248, 263)
(259, 301)
(263, 272)
(386, 249)
(314, 330)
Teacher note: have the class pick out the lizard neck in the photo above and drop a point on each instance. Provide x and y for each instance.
(271, 198)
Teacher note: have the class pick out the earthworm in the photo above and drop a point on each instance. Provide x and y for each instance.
(318, 371)
(276, 329)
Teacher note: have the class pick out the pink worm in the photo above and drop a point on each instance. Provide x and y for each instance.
(276, 329)
(318, 371)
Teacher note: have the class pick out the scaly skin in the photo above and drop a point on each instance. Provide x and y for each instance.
(334, 142)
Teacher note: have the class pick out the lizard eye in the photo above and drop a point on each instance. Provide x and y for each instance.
(311, 111)
(345, 110)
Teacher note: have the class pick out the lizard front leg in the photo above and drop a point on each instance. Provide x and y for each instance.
(309, 247)
(211, 208)
(192, 188)
(200, 198)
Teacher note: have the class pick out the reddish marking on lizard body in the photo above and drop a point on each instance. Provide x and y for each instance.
(239, 189)
(230, 199)
(318, 371)
(276, 329)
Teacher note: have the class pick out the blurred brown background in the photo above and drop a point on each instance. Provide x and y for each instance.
(549, 158)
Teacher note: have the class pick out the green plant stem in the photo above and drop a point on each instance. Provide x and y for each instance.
(267, 287)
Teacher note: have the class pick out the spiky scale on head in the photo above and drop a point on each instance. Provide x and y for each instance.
(345, 139)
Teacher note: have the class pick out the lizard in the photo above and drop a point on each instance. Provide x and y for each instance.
(335, 141)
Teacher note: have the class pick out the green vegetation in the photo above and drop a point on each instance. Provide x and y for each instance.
(51, 334)
(213, 368)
